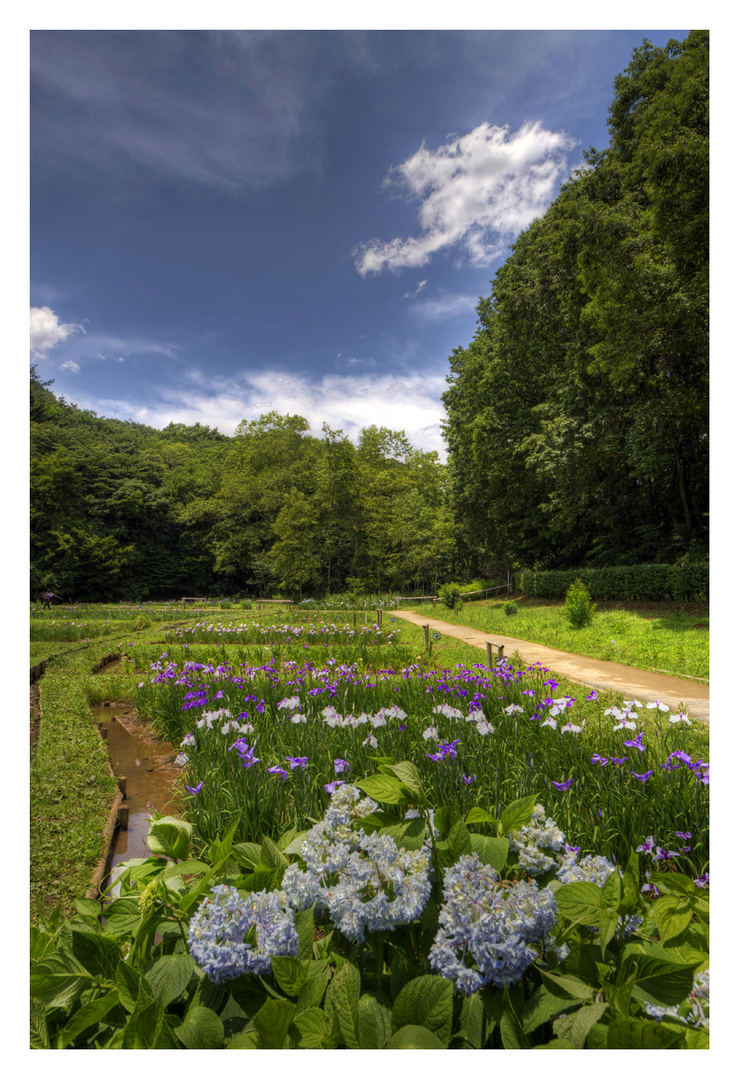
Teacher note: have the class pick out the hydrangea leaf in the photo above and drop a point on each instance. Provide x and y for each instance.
(169, 976)
(343, 997)
(517, 814)
(272, 1023)
(385, 789)
(426, 1000)
(492, 850)
(169, 836)
(314, 1028)
(374, 1026)
(579, 902)
(414, 1037)
(202, 1029)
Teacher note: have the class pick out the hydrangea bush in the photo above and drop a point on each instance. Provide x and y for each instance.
(390, 923)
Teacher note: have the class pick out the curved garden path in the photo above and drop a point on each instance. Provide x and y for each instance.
(600, 674)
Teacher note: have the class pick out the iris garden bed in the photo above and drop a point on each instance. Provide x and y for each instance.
(381, 856)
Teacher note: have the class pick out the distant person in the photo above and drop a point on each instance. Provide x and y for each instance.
(47, 598)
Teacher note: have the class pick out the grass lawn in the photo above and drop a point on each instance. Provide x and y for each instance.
(669, 638)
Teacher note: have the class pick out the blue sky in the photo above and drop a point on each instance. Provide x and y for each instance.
(225, 223)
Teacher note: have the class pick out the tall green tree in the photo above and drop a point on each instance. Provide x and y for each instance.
(577, 418)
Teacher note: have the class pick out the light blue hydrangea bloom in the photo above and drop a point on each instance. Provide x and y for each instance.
(495, 926)
(535, 842)
(365, 883)
(232, 934)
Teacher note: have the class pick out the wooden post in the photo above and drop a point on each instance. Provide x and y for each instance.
(354, 618)
(123, 818)
(426, 636)
(122, 785)
(380, 616)
(500, 652)
(489, 650)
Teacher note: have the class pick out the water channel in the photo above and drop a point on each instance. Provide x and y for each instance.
(148, 766)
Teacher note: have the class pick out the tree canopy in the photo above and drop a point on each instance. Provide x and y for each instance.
(577, 418)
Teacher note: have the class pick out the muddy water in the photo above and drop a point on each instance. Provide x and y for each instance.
(148, 765)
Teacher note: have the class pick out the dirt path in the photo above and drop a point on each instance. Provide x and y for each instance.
(601, 674)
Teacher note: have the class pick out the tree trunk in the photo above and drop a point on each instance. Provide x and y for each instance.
(682, 488)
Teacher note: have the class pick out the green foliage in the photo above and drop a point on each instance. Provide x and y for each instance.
(121, 510)
(450, 595)
(584, 394)
(648, 581)
(510, 608)
(128, 980)
(579, 611)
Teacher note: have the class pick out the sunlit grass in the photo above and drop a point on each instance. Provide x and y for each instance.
(671, 641)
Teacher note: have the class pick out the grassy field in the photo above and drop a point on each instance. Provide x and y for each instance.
(668, 638)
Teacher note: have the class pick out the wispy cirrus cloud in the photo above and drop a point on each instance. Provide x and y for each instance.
(229, 110)
(446, 305)
(476, 191)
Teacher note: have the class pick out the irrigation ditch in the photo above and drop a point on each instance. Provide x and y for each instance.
(142, 764)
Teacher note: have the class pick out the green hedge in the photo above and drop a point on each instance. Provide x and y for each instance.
(649, 581)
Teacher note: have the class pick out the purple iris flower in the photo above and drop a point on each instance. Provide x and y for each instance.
(332, 787)
(196, 789)
(643, 777)
(596, 760)
(340, 766)
(468, 780)
(617, 760)
(636, 742)
(564, 786)
(647, 845)
(296, 763)
(277, 771)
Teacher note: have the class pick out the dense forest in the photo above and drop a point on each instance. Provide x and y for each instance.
(120, 510)
(577, 418)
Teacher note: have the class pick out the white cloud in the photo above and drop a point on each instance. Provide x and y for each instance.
(409, 403)
(446, 306)
(70, 366)
(417, 290)
(47, 331)
(476, 193)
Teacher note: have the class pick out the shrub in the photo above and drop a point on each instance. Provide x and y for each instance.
(579, 611)
(510, 608)
(450, 596)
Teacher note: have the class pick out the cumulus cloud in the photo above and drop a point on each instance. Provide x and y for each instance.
(47, 331)
(409, 402)
(477, 192)
(71, 366)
